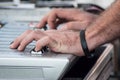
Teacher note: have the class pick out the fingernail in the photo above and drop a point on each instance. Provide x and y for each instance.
(11, 46)
(36, 49)
(20, 48)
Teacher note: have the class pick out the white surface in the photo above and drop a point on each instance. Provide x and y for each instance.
(102, 3)
(23, 14)
(13, 64)
(16, 2)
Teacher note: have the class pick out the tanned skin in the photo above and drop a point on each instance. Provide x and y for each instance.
(105, 29)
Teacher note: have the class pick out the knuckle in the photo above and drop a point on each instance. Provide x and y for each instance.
(33, 34)
(27, 31)
(23, 42)
(54, 10)
(47, 37)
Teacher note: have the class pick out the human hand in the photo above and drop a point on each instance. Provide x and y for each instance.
(58, 41)
(73, 19)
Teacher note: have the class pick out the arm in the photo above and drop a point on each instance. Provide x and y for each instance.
(106, 28)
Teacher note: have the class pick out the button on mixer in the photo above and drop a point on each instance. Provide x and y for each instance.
(44, 49)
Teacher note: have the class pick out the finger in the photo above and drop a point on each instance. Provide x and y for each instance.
(60, 21)
(41, 43)
(34, 35)
(52, 20)
(75, 25)
(56, 22)
(29, 38)
(18, 40)
(43, 22)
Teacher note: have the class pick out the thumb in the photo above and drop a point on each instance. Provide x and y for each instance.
(45, 41)
(75, 25)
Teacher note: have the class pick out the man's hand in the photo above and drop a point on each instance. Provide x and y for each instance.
(58, 41)
(73, 19)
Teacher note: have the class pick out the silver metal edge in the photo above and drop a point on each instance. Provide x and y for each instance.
(100, 63)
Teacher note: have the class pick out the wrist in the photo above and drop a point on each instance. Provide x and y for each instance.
(84, 45)
(93, 38)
